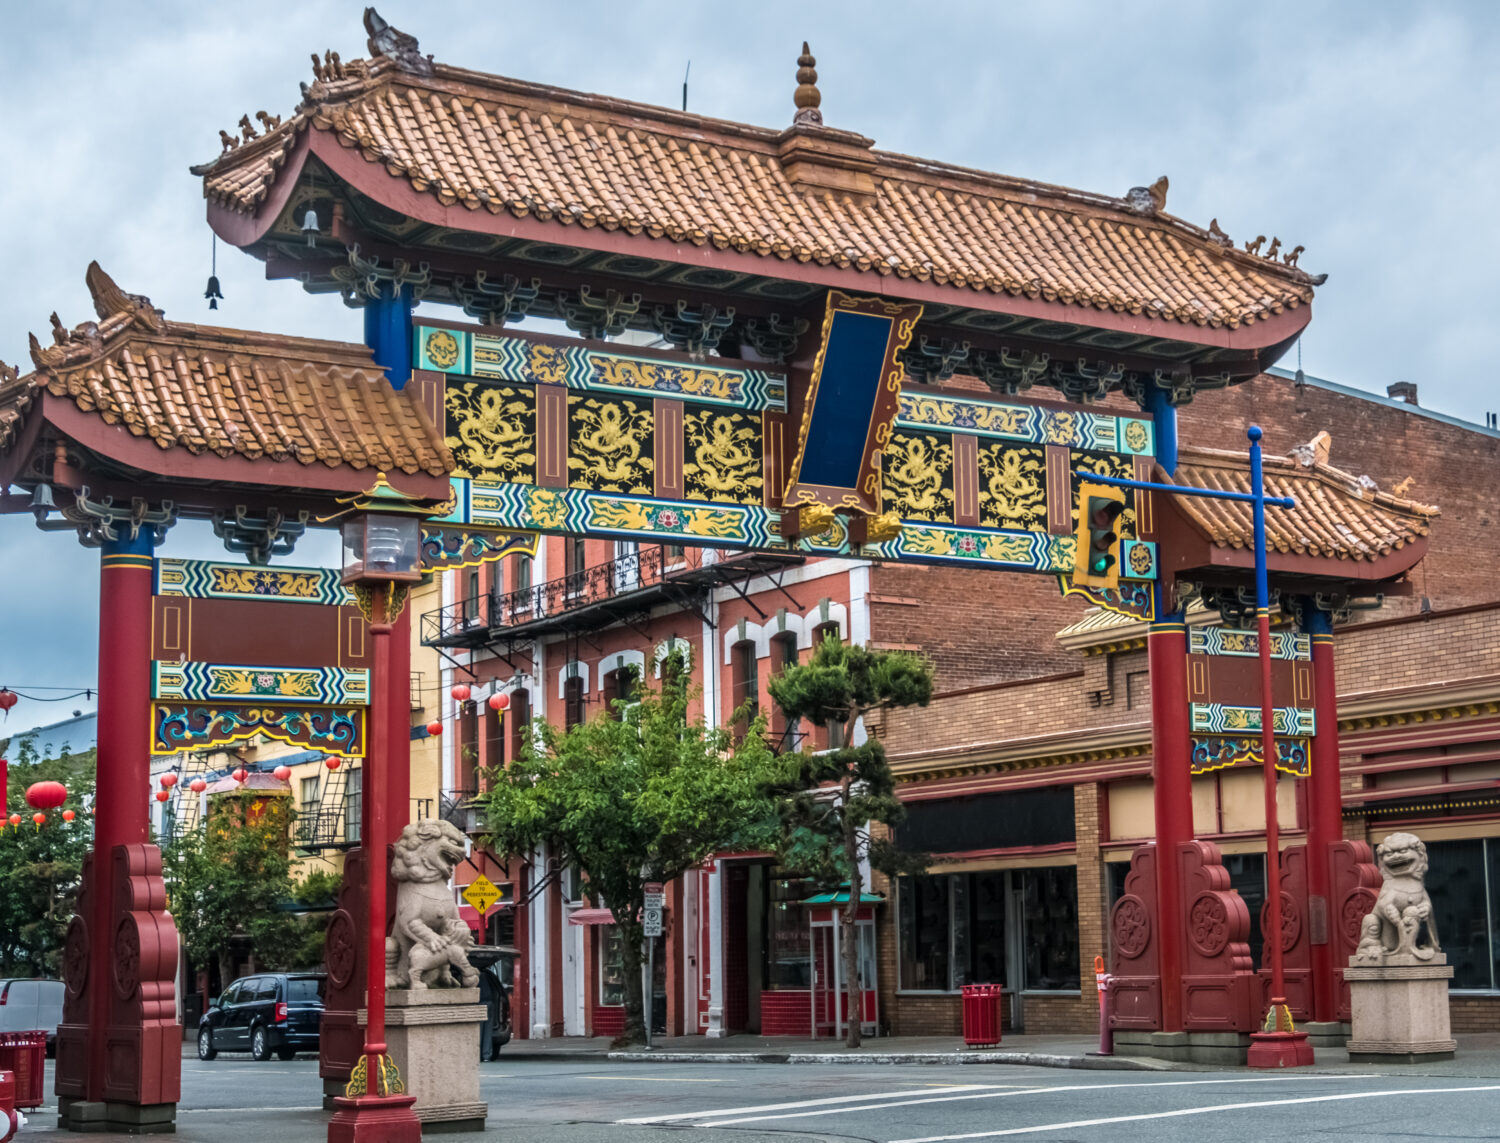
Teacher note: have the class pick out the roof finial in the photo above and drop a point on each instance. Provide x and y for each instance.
(807, 96)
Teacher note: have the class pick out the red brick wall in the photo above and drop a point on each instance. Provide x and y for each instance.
(786, 1013)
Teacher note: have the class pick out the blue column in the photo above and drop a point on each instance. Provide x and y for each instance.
(1164, 425)
(388, 331)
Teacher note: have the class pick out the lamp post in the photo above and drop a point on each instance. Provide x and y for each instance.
(381, 532)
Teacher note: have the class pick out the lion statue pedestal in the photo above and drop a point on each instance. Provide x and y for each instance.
(1398, 976)
(433, 1014)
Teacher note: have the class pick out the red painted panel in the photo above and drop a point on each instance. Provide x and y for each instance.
(966, 481)
(786, 1013)
(669, 446)
(258, 633)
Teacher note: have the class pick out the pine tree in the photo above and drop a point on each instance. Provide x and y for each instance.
(835, 795)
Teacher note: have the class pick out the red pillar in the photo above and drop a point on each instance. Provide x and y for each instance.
(120, 1045)
(1172, 784)
(1325, 827)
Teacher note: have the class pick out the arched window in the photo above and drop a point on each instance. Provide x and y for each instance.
(744, 686)
(785, 732)
(829, 736)
(519, 715)
(620, 687)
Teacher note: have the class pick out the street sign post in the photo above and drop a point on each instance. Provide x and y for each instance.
(654, 901)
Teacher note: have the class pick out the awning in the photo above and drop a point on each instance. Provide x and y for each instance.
(591, 917)
(842, 898)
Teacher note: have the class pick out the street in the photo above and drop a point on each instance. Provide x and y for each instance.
(597, 1101)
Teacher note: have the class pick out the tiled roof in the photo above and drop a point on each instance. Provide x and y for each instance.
(226, 391)
(809, 194)
(1337, 516)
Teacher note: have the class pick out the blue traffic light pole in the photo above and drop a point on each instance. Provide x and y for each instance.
(1278, 1044)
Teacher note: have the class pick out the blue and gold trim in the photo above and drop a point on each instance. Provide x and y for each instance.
(1240, 643)
(1029, 424)
(179, 727)
(1219, 752)
(208, 579)
(140, 563)
(1221, 718)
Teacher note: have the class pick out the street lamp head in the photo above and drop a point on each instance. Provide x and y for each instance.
(381, 547)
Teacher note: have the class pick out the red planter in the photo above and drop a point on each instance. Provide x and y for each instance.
(786, 1014)
(25, 1054)
(609, 1021)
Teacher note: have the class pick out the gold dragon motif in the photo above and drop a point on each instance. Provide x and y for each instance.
(265, 581)
(610, 445)
(917, 472)
(1086, 464)
(726, 457)
(494, 431)
(1015, 488)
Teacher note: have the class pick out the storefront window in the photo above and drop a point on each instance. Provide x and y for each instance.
(1247, 877)
(1465, 920)
(925, 933)
(788, 948)
(611, 966)
(953, 930)
(1050, 914)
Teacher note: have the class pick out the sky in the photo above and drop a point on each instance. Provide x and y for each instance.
(1367, 132)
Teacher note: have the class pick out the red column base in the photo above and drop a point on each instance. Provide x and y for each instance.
(1278, 1050)
(374, 1119)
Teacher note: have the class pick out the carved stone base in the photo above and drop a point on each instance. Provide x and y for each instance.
(433, 1036)
(1400, 1012)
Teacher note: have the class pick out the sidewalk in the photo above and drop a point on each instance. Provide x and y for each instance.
(1478, 1054)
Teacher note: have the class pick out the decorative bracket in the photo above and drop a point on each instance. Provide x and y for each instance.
(775, 338)
(102, 521)
(1011, 373)
(934, 360)
(593, 317)
(496, 303)
(361, 280)
(693, 331)
(260, 538)
(391, 599)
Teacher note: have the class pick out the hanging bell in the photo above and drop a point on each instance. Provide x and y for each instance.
(310, 226)
(213, 293)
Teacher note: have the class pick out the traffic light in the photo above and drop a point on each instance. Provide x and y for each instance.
(1096, 562)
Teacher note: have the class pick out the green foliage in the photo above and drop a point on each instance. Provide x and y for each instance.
(41, 867)
(834, 796)
(229, 882)
(638, 793)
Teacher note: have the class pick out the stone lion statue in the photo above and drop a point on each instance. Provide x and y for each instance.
(1389, 934)
(428, 938)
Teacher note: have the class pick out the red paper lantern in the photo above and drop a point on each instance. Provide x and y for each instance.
(333, 762)
(8, 699)
(460, 692)
(38, 817)
(240, 775)
(46, 795)
(434, 728)
(68, 815)
(162, 795)
(168, 781)
(197, 785)
(282, 773)
(15, 819)
(499, 702)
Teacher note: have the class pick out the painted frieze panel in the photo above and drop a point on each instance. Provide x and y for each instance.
(611, 442)
(1222, 718)
(207, 579)
(1235, 643)
(1224, 696)
(723, 461)
(445, 546)
(1219, 752)
(491, 430)
(209, 682)
(917, 470)
(1012, 486)
(178, 727)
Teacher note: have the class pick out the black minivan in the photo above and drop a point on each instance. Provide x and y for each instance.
(273, 1012)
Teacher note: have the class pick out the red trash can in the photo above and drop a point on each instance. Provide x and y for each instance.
(7, 1106)
(981, 1013)
(25, 1054)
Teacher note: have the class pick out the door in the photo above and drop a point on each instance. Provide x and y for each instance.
(235, 1006)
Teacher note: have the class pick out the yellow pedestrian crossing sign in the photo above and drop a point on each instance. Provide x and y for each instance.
(481, 894)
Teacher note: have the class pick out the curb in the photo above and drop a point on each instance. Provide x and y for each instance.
(1021, 1059)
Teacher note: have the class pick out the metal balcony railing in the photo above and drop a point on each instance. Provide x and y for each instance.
(457, 807)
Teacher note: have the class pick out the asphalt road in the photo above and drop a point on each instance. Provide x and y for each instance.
(534, 1101)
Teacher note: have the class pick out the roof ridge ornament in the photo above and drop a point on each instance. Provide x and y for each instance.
(1148, 200)
(807, 97)
(401, 48)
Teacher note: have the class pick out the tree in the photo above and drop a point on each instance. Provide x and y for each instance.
(41, 867)
(638, 793)
(231, 881)
(828, 805)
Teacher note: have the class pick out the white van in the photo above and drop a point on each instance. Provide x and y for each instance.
(32, 1006)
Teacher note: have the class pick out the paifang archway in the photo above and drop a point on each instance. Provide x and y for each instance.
(869, 355)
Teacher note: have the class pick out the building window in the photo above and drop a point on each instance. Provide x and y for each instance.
(620, 689)
(575, 566)
(1049, 915)
(471, 598)
(468, 748)
(784, 731)
(788, 963)
(573, 702)
(521, 574)
(675, 552)
(954, 929)
(520, 719)
(353, 804)
(744, 687)
(829, 736)
(1463, 880)
(308, 807)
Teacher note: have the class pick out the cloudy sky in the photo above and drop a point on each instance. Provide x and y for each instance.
(1365, 131)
